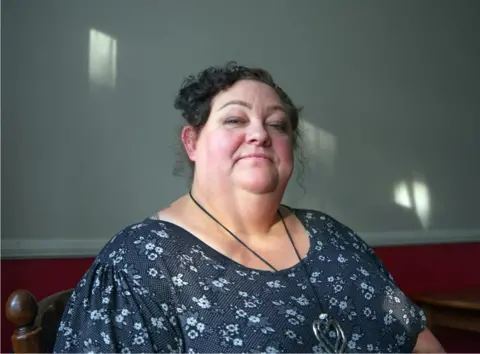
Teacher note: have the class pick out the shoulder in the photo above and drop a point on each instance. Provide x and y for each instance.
(134, 262)
(149, 238)
(138, 256)
(126, 288)
(321, 221)
(327, 230)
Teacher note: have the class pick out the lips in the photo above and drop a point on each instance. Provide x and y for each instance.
(256, 156)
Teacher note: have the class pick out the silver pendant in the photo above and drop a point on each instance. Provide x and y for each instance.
(322, 327)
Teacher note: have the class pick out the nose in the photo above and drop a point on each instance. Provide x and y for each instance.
(258, 135)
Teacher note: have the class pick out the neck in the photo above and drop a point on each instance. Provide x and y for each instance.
(241, 212)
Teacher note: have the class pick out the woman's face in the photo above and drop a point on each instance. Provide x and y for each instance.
(246, 142)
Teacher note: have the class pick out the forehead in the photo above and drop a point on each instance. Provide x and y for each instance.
(255, 93)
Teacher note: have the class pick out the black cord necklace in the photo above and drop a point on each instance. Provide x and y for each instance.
(323, 325)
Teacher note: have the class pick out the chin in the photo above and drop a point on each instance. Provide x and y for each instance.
(259, 184)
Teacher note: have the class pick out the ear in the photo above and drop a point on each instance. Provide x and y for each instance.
(189, 140)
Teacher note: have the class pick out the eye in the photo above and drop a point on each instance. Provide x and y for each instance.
(281, 126)
(233, 120)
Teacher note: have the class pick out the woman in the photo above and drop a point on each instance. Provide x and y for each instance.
(227, 268)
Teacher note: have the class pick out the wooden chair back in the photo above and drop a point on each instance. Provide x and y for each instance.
(36, 324)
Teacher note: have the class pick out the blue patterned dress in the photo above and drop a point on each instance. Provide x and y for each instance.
(157, 288)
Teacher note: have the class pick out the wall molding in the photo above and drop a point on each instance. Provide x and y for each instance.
(51, 248)
(61, 248)
(420, 237)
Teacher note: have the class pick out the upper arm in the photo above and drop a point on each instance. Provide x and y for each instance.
(427, 343)
(422, 339)
(111, 311)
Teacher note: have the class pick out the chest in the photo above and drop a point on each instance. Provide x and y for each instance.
(280, 250)
(246, 311)
(225, 308)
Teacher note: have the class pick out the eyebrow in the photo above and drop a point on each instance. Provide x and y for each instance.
(270, 109)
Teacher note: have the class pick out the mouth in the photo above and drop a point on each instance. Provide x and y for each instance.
(256, 156)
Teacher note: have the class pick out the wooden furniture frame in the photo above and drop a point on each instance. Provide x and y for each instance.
(36, 324)
(459, 309)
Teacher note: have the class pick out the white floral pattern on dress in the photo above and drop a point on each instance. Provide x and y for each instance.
(157, 288)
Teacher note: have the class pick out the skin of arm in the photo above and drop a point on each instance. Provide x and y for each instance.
(427, 343)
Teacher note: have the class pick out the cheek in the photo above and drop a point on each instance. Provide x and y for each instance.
(284, 149)
(223, 145)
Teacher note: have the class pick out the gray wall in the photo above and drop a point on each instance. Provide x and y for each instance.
(0, 116)
(390, 90)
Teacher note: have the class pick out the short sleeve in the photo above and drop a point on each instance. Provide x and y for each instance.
(398, 305)
(111, 311)
(371, 254)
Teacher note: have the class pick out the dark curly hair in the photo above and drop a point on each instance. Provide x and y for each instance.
(194, 100)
